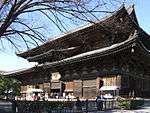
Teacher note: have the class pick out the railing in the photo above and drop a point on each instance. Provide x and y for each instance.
(62, 106)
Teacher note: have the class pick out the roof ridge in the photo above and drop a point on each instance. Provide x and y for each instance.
(86, 25)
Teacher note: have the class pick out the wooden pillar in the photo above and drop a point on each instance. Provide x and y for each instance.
(118, 80)
(97, 85)
(61, 91)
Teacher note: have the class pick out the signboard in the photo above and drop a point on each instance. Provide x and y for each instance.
(55, 76)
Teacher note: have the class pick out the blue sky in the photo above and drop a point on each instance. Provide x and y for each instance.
(9, 61)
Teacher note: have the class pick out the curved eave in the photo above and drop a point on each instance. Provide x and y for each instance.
(132, 14)
(31, 52)
(45, 47)
(41, 56)
(144, 49)
(49, 54)
(94, 54)
(19, 72)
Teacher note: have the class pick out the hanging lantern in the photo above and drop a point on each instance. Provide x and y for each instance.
(132, 50)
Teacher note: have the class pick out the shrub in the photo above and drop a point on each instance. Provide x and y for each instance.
(136, 103)
(124, 103)
(129, 103)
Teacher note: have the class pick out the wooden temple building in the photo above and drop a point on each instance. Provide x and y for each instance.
(110, 54)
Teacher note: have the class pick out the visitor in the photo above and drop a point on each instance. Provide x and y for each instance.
(78, 105)
(35, 97)
(86, 105)
(46, 96)
(14, 106)
(99, 102)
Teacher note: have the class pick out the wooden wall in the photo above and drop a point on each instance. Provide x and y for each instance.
(90, 88)
(77, 88)
(69, 86)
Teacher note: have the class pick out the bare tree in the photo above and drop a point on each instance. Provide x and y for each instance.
(16, 27)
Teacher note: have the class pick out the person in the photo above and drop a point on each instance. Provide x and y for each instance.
(14, 106)
(86, 105)
(78, 104)
(35, 97)
(46, 96)
(99, 102)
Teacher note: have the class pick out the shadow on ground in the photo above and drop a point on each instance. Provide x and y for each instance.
(4, 111)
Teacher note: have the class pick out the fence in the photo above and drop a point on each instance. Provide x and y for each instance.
(61, 106)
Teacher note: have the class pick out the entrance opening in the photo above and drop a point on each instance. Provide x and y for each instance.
(101, 83)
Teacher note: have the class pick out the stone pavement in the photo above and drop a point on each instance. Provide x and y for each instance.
(144, 109)
(5, 107)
